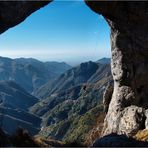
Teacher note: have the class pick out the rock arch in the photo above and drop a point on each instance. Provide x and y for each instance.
(128, 22)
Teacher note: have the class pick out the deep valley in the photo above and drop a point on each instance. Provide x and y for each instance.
(65, 106)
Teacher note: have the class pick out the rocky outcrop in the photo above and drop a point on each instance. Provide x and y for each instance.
(128, 22)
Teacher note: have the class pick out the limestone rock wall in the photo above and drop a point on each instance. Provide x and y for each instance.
(128, 22)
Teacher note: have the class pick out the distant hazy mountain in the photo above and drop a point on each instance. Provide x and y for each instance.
(30, 73)
(85, 72)
(104, 61)
(14, 105)
(73, 102)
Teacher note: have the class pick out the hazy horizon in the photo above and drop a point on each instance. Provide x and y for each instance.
(71, 64)
(63, 31)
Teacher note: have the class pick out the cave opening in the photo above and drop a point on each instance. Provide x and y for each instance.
(61, 36)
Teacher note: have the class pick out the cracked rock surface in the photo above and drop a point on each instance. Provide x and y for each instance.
(128, 22)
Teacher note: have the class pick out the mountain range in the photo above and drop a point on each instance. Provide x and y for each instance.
(70, 105)
(64, 105)
(30, 73)
(83, 73)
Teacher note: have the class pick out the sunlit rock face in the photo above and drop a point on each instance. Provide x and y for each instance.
(128, 22)
(14, 12)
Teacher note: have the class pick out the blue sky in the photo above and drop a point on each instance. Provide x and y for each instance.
(62, 31)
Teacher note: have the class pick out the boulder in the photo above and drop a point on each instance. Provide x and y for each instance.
(131, 120)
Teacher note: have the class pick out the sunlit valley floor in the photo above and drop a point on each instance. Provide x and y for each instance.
(53, 100)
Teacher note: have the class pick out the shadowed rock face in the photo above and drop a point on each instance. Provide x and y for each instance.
(114, 140)
(129, 42)
(128, 22)
(14, 12)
